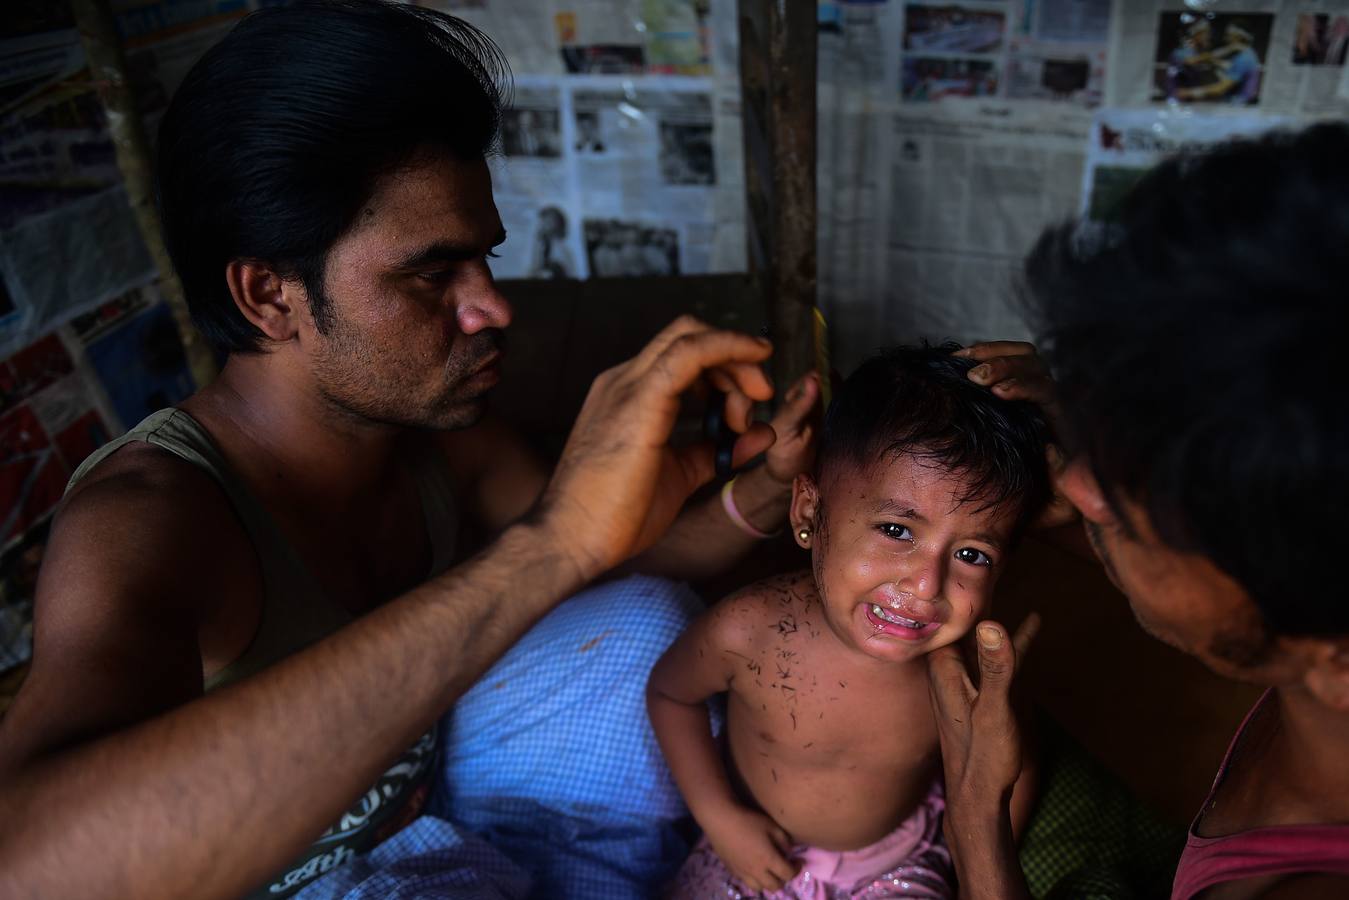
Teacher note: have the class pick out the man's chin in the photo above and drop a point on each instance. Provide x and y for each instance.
(460, 414)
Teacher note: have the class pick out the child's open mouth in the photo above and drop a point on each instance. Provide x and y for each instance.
(886, 621)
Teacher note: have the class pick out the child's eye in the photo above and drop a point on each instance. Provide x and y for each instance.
(973, 557)
(896, 531)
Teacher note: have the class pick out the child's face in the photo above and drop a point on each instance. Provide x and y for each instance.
(902, 566)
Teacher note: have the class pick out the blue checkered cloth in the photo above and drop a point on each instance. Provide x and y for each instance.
(551, 783)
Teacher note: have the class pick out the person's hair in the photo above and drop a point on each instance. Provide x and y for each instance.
(917, 401)
(277, 135)
(1193, 343)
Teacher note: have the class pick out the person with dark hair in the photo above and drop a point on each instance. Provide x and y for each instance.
(924, 482)
(1210, 462)
(249, 620)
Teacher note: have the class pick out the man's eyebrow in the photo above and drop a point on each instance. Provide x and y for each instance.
(895, 508)
(445, 251)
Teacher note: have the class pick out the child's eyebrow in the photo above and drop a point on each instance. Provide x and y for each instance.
(987, 539)
(902, 510)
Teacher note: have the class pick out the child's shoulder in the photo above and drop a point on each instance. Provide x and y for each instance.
(742, 616)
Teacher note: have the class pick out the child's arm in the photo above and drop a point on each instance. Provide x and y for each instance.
(702, 663)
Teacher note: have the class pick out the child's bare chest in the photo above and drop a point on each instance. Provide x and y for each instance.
(800, 703)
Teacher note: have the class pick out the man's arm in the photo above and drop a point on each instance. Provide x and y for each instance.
(210, 796)
(981, 755)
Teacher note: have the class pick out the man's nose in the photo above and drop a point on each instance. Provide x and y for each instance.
(480, 305)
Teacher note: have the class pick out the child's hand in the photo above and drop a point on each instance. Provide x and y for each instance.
(795, 426)
(753, 847)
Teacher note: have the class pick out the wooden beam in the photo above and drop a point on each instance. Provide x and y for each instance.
(777, 77)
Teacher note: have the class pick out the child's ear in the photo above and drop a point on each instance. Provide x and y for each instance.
(804, 512)
(1326, 669)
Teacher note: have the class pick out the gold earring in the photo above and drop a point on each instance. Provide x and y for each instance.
(804, 534)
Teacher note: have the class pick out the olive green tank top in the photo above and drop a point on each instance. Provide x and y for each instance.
(295, 614)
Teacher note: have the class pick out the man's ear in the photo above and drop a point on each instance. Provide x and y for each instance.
(804, 511)
(268, 301)
(1325, 662)
(1076, 482)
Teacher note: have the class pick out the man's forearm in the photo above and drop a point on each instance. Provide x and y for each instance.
(984, 851)
(704, 542)
(210, 799)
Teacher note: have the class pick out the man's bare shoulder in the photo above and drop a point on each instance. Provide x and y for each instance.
(144, 554)
(143, 522)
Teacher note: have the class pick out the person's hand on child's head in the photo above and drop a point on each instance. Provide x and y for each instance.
(753, 847)
(1014, 370)
(796, 425)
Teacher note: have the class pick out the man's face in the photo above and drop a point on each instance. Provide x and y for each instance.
(1182, 599)
(415, 319)
(903, 566)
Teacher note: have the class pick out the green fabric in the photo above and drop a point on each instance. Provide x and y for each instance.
(1090, 838)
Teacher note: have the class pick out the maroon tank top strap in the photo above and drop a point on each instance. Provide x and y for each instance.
(1277, 850)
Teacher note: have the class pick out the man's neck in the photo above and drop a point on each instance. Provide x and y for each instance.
(285, 436)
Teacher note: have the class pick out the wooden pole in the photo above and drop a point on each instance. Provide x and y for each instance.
(107, 64)
(777, 77)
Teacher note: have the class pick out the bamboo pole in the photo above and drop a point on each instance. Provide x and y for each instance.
(777, 78)
(107, 64)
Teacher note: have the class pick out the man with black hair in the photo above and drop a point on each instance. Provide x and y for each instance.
(1211, 468)
(236, 642)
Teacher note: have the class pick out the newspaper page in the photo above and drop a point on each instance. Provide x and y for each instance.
(645, 158)
(621, 154)
(969, 198)
(1282, 58)
(1126, 143)
(1054, 50)
(601, 37)
(950, 134)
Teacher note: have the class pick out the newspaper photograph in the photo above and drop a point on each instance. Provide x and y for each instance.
(1282, 56)
(1060, 75)
(927, 79)
(627, 249)
(1211, 57)
(54, 143)
(533, 125)
(1053, 52)
(1321, 40)
(952, 29)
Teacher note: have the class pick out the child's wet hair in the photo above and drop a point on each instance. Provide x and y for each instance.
(917, 401)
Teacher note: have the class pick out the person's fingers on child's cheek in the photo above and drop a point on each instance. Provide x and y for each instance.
(1021, 640)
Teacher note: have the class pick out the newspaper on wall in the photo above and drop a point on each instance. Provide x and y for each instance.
(1126, 143)
(605, 178)
(941, 156)
(605, 37)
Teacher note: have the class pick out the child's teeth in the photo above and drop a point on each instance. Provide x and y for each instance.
(892, 618)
